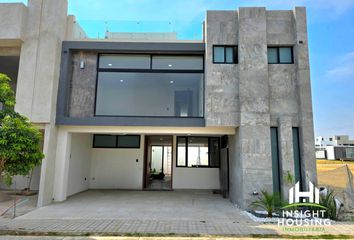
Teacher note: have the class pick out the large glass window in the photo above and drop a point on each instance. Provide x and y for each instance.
(149, 94)
(280, 55)
(162, 85)
(198, 152)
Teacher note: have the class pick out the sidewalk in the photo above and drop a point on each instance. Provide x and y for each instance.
(153, 227)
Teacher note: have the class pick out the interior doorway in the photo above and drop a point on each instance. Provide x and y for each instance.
(158, 163)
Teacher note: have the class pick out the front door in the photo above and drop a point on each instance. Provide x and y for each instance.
(158, 163)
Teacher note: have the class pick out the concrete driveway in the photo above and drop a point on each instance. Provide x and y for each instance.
(194, 205)
(135, 213)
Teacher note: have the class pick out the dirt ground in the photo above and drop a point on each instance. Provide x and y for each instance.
(338, 175)
(334, 173)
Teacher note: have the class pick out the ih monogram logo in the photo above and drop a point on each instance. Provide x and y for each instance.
(313, 195)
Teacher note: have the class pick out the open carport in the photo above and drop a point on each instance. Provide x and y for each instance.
(195, 205)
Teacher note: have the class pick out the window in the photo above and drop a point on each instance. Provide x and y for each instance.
(181, 151)
(280, 55)
(275, 160)
(104, 141)
(124, 61)
(128, 141)
(177, 62)
(225, 54)
(116, 141)
(198, 152)
(162, 85)
(149, 94)
(297, 156)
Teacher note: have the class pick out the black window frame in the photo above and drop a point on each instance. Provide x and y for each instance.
(186, 153)
(276, 164)
(150, 70)
(100, 69)
(234, 52)
(116, 141)
(278, 54)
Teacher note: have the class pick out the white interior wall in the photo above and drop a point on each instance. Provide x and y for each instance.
(79, 164)
(117, 168)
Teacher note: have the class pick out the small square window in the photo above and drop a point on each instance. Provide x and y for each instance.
(280, 55)
(225, 54)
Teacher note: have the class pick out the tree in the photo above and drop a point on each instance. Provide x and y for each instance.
(20, 149)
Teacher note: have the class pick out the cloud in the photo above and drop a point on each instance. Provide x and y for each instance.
(344, 66)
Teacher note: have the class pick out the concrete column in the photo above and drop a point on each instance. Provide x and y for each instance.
(46, 183)
(286, 153)
(254, 147)
(62, 165)
(38, 75)
(37, 84)
(307, 141)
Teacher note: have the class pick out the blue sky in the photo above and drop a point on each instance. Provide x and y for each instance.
(331, 41)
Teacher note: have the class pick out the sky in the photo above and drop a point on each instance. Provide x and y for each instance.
(330, 30)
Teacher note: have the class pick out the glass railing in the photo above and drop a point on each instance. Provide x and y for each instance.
(139, 30)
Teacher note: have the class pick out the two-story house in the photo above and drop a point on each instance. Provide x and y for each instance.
(231, 112)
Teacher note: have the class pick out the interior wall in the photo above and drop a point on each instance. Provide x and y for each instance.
(79, 164)
(118, 168)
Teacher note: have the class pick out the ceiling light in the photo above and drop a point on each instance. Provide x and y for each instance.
(171, 81)
(170, 65)
(121, 80)
(110, 64)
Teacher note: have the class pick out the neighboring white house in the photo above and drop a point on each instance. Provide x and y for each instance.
(334, 147)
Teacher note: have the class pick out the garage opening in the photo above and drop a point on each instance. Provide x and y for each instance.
(145, 162)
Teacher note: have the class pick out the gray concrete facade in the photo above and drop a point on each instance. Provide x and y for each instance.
(254, 95)
(249, 97)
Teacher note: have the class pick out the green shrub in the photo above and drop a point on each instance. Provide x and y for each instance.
(267, 201)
